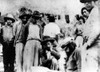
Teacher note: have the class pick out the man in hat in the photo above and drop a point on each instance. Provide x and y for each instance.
(7, 42)
(79, 31)
(33, 45)
(39, 21)
(91, 49)
(85, 13)
(73, 60)
(20, 30)
(49, 55)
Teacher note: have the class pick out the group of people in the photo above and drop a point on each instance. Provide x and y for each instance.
(34, 39)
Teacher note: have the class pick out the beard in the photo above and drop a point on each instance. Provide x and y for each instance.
(9, 23)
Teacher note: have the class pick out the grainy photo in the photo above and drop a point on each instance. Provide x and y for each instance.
(49, 36)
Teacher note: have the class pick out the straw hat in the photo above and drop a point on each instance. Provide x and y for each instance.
(9, 17)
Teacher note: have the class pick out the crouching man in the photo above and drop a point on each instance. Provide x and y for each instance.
(49, 55)
(73, 60)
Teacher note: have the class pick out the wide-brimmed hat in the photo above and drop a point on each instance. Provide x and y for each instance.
(69, 44)
(36, 14)
(64, 45)
(27, 13)
(9, 17)
(66, 41)
(85, 1)
(47, 38)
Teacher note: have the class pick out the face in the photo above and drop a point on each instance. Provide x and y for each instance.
(80, 21)
(33, 20)
(85, 13)
(45, 18)
(67, 50)
(9, 22)
(38, 21)
(24, 19)
(48, 44)
(89, 5)
(80, 32)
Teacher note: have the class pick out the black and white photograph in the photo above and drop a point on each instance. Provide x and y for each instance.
(49, 35)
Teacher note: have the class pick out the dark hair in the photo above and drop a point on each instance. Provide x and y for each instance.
(22, 9)
(77, 16)
(59, 17)
(51, 19)
(30, 11)
(81, 17)
(84, 1)
(84, 8)
(67, 18)
(71, 45)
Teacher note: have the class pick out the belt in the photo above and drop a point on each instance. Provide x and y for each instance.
(18, 41)
(34, 39)
(73, 69)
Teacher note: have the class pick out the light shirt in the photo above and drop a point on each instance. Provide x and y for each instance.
(51, 30)
(34, 31)
(7, 33)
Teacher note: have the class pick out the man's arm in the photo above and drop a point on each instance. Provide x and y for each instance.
(55, 54)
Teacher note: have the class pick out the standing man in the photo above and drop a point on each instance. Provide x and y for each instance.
(49, 56)
(51, 29)
(7, 42)
(33, 45)
(91, 48)
(79, 31)
(20, 37)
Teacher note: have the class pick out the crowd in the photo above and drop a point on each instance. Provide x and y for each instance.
(34, 39)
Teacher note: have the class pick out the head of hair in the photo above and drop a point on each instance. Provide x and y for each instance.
(81, 17)
(77, 16)
(51, 19)
(67, 18)
(22, 9)
(84, 8)
(71, 45)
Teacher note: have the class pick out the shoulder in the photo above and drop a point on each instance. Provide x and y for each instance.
(17, 23)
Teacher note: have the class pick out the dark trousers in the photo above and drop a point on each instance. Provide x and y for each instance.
(8, 57)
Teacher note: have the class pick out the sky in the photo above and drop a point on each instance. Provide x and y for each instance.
(53, 6)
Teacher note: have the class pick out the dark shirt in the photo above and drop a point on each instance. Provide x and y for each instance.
(22, 36)
(74, 61)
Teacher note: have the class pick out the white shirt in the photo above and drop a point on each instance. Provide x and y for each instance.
(33, 31)
(79, 41)
(51, 30)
